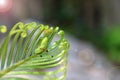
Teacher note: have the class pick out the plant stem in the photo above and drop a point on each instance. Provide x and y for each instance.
(3, 72)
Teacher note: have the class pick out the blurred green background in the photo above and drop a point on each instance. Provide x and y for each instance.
(95, 21)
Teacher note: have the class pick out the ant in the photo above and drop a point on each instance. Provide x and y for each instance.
(43, 49)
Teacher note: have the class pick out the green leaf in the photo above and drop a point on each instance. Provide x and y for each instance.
(34, 53)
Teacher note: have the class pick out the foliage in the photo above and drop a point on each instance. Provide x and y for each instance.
(30, 49)
(111, 43)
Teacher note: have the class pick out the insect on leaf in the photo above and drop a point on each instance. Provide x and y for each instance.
(23, 54)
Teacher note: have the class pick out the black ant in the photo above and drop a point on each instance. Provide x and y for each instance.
(40, 55)
(52, 56)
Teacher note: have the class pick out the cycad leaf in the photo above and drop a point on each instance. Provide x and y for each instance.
(33, 52)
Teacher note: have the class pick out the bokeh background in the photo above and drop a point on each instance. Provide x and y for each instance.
(92, 27)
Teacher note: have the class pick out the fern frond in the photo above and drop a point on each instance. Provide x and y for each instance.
(34, 53)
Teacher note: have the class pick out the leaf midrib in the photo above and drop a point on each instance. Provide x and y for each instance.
(3, 72)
